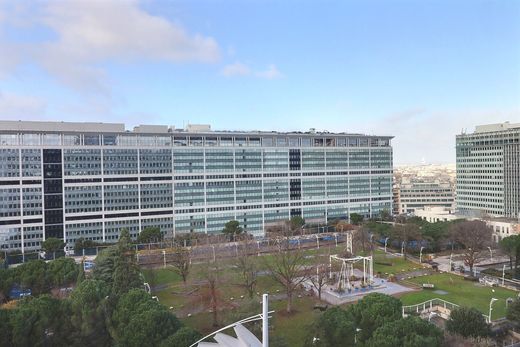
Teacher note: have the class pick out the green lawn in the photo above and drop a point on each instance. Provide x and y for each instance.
(461, 292)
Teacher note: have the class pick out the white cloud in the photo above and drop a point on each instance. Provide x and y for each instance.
(236, 69)
(241, 69)
(430, 135)
(21, 107)
(270, 73)
(90, 33)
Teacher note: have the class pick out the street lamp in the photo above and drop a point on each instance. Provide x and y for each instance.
(491, 308)
(491, 252)
(355, 335)
(386, 241)
(164, 259)
(503, 273)
(420, 255)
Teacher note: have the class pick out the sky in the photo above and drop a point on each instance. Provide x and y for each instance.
(422, 71)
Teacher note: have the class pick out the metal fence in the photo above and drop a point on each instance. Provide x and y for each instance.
(211, 252)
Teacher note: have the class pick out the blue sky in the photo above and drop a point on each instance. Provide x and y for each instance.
(419, 70)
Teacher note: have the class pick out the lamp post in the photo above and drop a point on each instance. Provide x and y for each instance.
(386, 241)
(491, 253)
(164, 259)
(503, 273)
(420, 255)
(491, 308)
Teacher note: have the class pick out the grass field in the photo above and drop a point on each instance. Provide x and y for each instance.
(292, 328)
(461, 292)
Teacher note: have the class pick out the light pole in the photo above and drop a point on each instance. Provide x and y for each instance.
(491, 253)
(420, 255)
(503, 273)
(355, 335)
(491, 308)
(386, 241)
(164, 259)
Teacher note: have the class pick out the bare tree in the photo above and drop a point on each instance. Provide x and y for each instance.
(343, 226)
(209, 294)
(475, 236)
(246, 264)
(360, 238)
(181, 262)
(287, 267)
(404, 233)
(319, 274)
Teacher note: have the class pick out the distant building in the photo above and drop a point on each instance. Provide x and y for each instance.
(418, 195)
(435, 214)
(488, 171)
(90, 180)
(503, 227)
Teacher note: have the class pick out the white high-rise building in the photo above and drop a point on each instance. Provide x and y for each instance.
(488, 171)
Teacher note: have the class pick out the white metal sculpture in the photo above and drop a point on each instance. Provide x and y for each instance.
(244, 338)
(347, 271)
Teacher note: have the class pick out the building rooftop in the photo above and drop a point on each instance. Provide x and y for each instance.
(489, 128)
(93, 127)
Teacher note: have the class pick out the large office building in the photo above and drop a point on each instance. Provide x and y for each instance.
(90, 180)
(419, 194)
(488, 171)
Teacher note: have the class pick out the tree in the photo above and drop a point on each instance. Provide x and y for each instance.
(209, 294)
(475, 236)
(287, 267)
(435, 233)
(89, 312)
(385, 215)
(82, 243)
(116, 266)
(126, 273)
(334, 328)
(319, 275)
(513, 311)
(404, 233)
(52, 245)
(246, 265)
(409, 332)
(41, 321)
(184, 337)
(33, 275)
(138, 320)
(361, 237)
(297, 222)
(356, 218)
(510, 246)
(373, 311)
(63, 271)
(181, 262)
(232, 229)
(467, 322)
(5, 327)
(149, 235)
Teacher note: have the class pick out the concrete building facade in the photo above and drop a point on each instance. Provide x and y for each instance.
(488, 171)
(418, 195)
(90, 180)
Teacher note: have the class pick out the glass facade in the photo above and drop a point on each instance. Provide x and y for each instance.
(90, 185)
